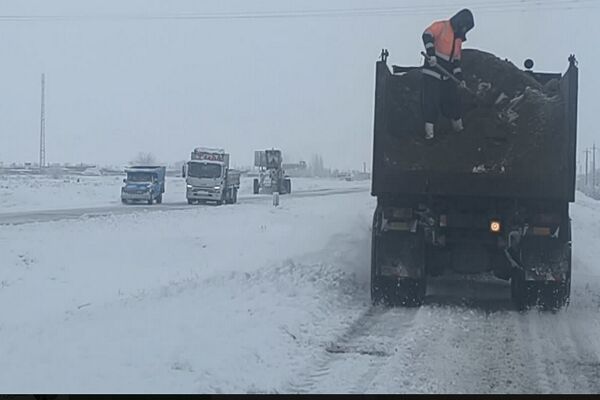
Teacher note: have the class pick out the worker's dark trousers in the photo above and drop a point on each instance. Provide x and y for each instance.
(438, 95)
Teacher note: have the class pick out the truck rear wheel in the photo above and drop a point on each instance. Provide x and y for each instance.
(255, 186)
(392, 290)
(545, 294)
(288, 186)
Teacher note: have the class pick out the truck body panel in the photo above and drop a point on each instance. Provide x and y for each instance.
(539, 165)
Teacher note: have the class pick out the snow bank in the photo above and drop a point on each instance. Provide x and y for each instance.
(210, 299)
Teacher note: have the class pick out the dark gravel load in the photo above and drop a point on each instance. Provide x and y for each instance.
(515, 124)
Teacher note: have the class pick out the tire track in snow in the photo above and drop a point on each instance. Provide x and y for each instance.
(565, 364)
(460, 350)
(484, 353)
(362, 347)
(587, 360)
(502, 358)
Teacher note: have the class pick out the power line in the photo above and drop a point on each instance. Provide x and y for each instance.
(396, 11)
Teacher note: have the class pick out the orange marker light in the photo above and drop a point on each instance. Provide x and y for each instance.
(495, 226)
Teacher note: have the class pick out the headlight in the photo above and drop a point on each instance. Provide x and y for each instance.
(188, 186)
(217, 187)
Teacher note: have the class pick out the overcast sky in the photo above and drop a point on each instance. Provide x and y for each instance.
(118, 84)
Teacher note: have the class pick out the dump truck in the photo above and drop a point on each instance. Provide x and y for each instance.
(143, 183)
(272, 177)
(491, 199)
(209, 178)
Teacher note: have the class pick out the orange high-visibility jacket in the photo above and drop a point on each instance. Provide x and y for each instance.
(440, 41)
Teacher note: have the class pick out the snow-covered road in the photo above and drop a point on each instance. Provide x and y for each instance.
(27, 217)
(252, 298)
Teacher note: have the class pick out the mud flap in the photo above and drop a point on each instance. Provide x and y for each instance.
(545, 279)
(397, 266)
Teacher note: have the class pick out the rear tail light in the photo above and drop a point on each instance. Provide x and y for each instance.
(495, 226)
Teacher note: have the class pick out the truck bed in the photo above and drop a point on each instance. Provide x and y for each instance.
(531, 154)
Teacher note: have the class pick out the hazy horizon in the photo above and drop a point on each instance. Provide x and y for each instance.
(117, 84)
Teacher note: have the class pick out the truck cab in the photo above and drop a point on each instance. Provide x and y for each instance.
(143, 183)
(208, 177)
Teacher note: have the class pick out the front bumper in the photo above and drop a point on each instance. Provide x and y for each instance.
(136, 196)
(203, 194)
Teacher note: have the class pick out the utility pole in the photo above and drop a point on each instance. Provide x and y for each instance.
(43, 125)
(594, 168)
(587, 152)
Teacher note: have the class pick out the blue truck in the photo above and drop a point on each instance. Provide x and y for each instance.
(143, 183)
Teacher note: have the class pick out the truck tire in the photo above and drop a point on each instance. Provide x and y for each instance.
(150, 200)
(230, 196)
(255, 186)
(235, 192)
(288, 186)
(124, 201)
(396, 291)
(190, 201)
(546, 295)
(518, 290)
(378, 289)
(159, 199)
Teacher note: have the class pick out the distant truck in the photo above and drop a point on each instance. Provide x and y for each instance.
(209, 178)
(272, 177)
(143, 183)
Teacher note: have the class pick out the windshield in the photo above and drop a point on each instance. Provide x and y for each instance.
(139, 177)
(199, 170)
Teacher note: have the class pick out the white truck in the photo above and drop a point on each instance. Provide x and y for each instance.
(209, 178)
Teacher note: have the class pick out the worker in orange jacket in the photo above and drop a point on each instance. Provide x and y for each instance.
(443, 43)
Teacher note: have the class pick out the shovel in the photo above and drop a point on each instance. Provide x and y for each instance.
(445, 72)
(502, 114)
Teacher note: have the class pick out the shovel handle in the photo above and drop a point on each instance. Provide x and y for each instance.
(448, 74)
(442, 69)
(451, 76)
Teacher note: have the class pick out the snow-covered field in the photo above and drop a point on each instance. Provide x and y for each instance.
(253, 298)
(195, 300)
(31, 192)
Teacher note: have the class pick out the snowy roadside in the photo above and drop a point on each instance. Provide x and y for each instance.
(231, 299)
(252, 298)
